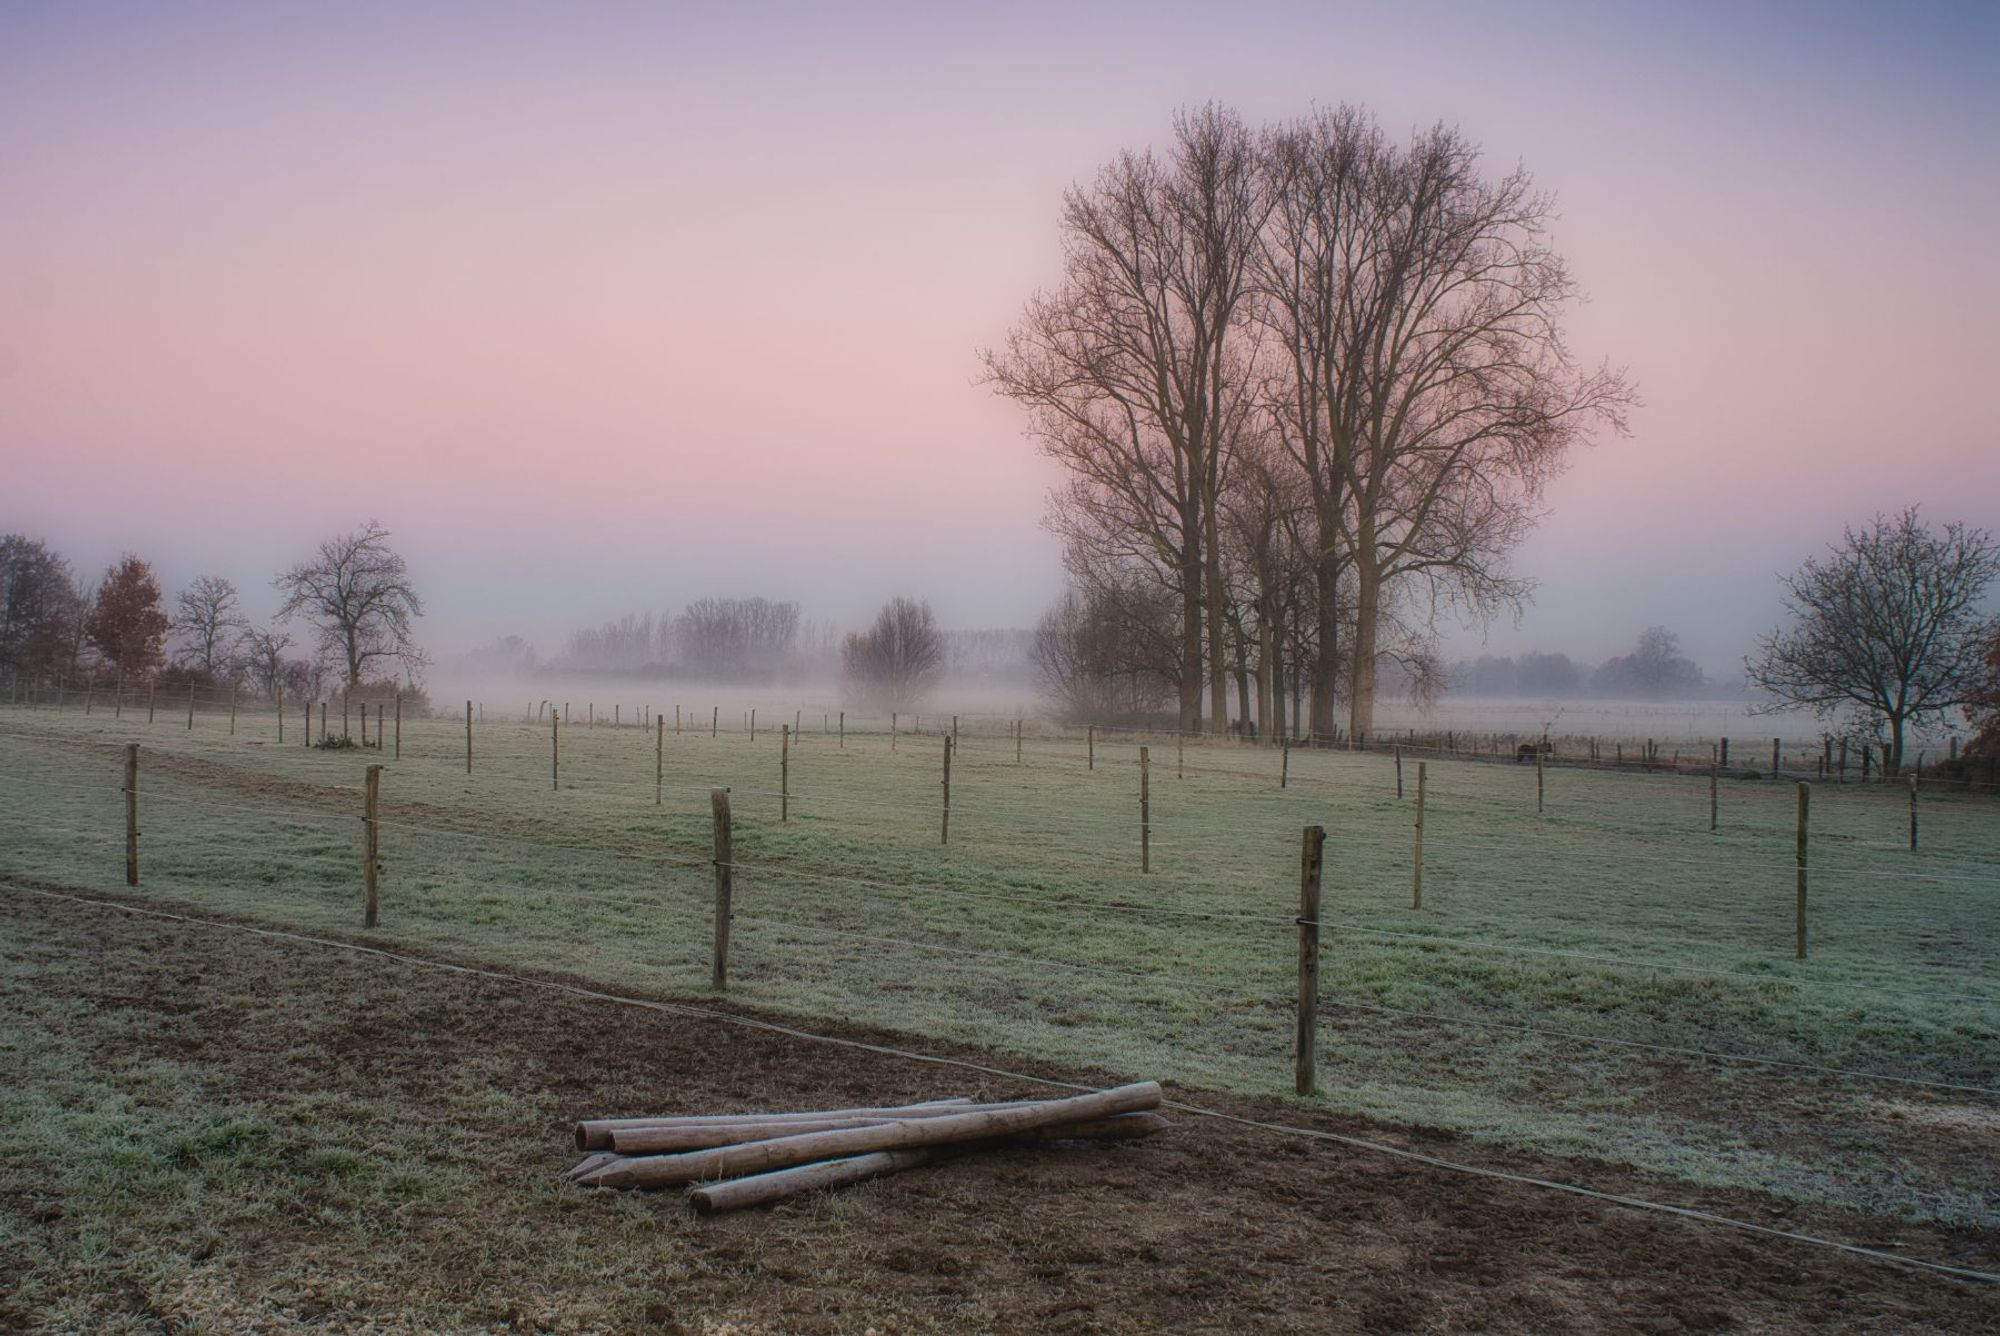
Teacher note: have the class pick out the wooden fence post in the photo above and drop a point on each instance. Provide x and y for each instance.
(677, 721)
(371, 807)
(306, 729)
(1017, 742)
(753, 723)
(399, 725)
(378, 725)
(1913, 809)
(152, 688)
(325, 733)
(190, 707)
(1305, 1044)
(1145, 809)
(555, 750)
(364, 725)
(1417, 872)
(1805, 804)
(843, 730)
(1180, 755)
(131, 814)
(892, 730)
(346, 720)
(954, 730)
(1091, 743)
(719, 801)
(944, 824)
(1539, 790)
(1774, 757)
(278, 694)
(1285, 765)
(1399, 772)
(659, 756)
(1714, 796)
(232, 710)
(714, 719)
(468, 737)
(784, 772)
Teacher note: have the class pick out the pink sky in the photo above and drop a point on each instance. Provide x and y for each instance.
(603, 308)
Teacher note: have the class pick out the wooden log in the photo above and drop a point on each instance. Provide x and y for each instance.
(595, 1133)
(761, 1189)
(663, 1140)
(903, 1134)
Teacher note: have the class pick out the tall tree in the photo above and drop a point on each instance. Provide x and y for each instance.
(40, 609)
(126, 623)
(263, 653)
(206, 616)
(1888, 626)
(356, 594)
(1426, 389)
(1134, 371)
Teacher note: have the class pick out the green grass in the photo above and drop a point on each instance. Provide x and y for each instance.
(1033, 931)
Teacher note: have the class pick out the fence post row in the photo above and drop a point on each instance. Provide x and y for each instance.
(1306, 1037)
(719, 802)
(370, 806)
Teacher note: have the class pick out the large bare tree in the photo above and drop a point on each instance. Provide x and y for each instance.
(356, 594)
(1889, 626)
(1424, 385)
(1134, 371)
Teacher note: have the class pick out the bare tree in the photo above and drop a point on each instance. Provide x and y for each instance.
(1424, 383)
(205, 615)
(1654, 668)
(732, 637)
(1097, 656)
(896, 662)
(356, 595)
(1133, 371)
(1889, 626)
(263, 653)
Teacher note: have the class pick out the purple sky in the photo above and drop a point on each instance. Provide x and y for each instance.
(602, 308)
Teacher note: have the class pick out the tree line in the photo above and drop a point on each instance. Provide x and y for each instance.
(352, 598)
(1307, 385)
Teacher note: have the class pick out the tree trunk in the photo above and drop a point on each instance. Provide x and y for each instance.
(1267, 678)
(1326, 664)
(1190, 683)
(1218, 644)
(1892, 757)
(1242, 678)
(1361, 676)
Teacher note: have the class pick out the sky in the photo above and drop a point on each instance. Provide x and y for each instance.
(601, 308)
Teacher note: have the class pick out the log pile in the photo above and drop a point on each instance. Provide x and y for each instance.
(747, 1159)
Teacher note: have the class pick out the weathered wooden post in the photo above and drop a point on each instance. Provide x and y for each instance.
(378, 725)
(1775, 745)
(784, 772)
(659, 756)
(944, 824)
(1017, 742)
(278, 690)
(232, 709)
(364, 725)
(954, 730)
(892, 730)
(399, 725)
(1180, 754)
(1538, 780)
(1399, 772)
(1417, 872)
(346, 721)
(714, 720)
(1913, 809)
(555, 750)
(1805, 804)
(843, 730)
(325, 733)
(1145, 809)
(131, 814)
(1090, 741)
(1285, 765)
(719, 802)
(190, 707)
(1305, 1044)
(152, 687)
(1714, 776)
(753, 723)
(468, 737)
(371, 806)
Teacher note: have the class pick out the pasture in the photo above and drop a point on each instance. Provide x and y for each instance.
(1605, 979)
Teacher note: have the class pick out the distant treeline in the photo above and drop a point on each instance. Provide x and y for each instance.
(1654, 669)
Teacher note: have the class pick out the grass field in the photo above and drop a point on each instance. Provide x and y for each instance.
(1509, 1007)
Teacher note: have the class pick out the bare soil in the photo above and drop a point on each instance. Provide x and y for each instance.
(1213, 1227)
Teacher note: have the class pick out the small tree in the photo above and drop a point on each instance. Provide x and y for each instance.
(896, 662)
(126, 624)
(1654, 668)
(1888, 626)
(262, 650)
(205, 613)
(356, 595)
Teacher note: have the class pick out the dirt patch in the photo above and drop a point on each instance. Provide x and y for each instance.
(1214, 1227)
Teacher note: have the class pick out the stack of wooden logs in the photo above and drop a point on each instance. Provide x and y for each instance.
(748, 1159)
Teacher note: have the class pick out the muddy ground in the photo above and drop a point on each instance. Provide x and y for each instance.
(452, 1095)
